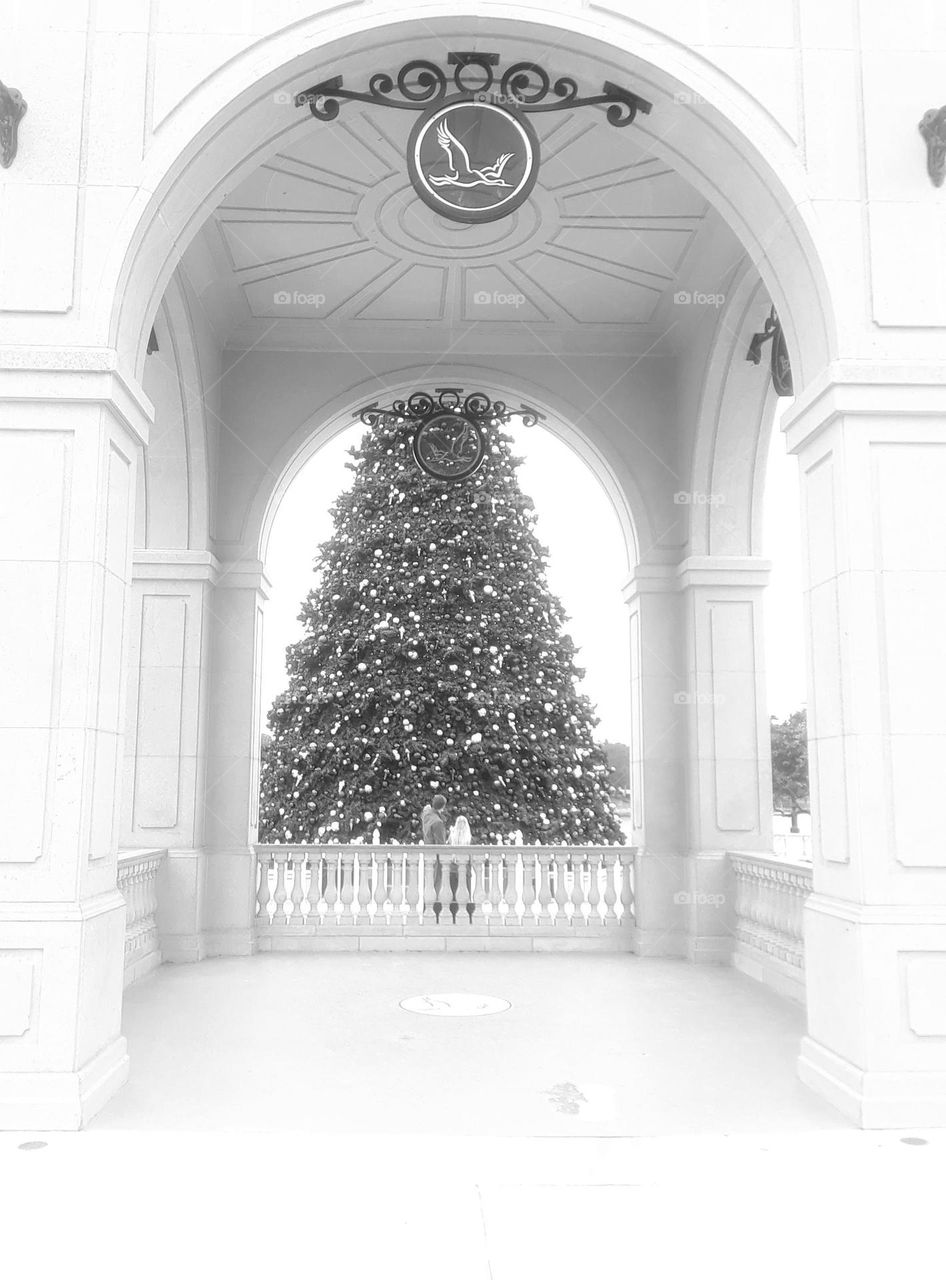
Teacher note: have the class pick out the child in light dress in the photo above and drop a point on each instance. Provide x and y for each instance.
(460, 832)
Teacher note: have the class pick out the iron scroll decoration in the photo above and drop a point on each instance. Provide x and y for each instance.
(473, 155)
(449, 430)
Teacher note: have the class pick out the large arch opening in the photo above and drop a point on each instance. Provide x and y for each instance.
(634, 351)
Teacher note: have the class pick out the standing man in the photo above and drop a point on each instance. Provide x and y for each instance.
(431, 822)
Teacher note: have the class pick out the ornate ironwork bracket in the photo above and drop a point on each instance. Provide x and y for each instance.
(448, 428)
(12, 111)
(525, 86)
(780, 364)
(933, 129)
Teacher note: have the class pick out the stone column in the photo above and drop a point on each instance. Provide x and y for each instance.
(234, 724)
(873, 478)
(165, 746)
(658, 792)
(729, 771)
(70, 433)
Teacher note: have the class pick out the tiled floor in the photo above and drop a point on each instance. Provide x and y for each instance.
(592, 1045)
(285, 1116)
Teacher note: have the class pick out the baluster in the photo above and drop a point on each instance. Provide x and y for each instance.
(527, 860)
(295, 908)
(346, 890)
(431, 866)
(380, 883)
(494, 862)
(412, 890)
(282, 857)
(151, 904)
(262, 893)
(478, 859)
(594, 887)
(610, 896)
(510, 859)
(560, 858)
(397, 885)
(331, 884)
(445, 895)
(363, 864)
(131, 909)
(464, 885)
(626, 857)
(310, 895)
(578, 889)
(545, 888)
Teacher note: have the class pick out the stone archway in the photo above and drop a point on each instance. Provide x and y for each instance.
(867, 430)
(735, 154)
(718, 160)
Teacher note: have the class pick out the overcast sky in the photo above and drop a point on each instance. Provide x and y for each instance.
(586, 567)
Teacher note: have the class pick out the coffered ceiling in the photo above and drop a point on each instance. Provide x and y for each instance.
(327, 243)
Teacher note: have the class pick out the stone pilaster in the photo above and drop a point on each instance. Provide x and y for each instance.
(657, 778)
(71, 429)
(165, 749)
(872, 462)
(728, 760)
(232, 794)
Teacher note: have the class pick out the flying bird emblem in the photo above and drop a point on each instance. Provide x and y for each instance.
(460, 173)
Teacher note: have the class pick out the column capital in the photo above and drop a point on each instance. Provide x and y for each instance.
(859, 389)
(76, 375)
(697, 571)
(175, 565)
(649, 579)
(723, 571)
(243, 575)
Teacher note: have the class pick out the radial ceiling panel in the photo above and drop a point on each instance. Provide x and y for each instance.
(333, 224)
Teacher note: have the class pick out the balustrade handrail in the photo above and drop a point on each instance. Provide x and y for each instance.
(136, 857)
(137, 881)
(775, 860)
(370, 887)
(770, 896)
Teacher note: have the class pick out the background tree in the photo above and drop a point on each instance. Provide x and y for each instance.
(433, 658)
(790, 765)
(618, 755)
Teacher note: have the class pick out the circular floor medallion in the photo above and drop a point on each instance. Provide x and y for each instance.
(455, 1004)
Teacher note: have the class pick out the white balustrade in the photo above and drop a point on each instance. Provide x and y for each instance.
(769, 934)
(582, 895)
(138, 871)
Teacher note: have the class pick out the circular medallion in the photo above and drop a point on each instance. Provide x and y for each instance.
(455, 1005)
(473, 160)
(448, 446)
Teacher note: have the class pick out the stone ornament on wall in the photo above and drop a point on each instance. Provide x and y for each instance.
(12, 111)
(780, 366)
(933, 129)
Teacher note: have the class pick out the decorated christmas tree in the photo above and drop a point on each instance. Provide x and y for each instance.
(433, 660)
